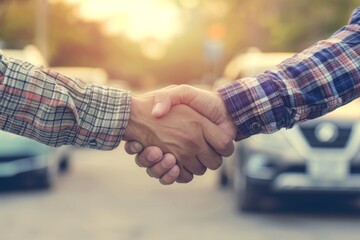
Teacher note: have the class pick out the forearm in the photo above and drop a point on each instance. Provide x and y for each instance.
(57, 110)
(308, 85)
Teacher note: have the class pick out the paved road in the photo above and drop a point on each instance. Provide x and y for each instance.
(106, 197)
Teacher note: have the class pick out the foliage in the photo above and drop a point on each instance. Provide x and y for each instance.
(277, 25)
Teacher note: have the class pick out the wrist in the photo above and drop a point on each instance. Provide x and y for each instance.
(132, 131)
(228, 120)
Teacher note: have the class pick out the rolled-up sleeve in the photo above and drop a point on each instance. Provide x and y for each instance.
(56, 110)
(312, 83)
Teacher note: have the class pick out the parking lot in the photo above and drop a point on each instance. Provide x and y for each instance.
(105, 196)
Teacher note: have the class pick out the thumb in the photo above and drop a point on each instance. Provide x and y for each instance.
(162, 106)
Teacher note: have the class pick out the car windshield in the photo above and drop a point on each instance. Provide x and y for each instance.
(11, 144)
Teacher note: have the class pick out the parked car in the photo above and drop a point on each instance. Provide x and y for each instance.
(23, 159)
(29, 162)
(320, 156)
(87, 74)
(29, 53)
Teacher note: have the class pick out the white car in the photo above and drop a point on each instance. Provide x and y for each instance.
(320, 156)
(29, 53)
(87, 74)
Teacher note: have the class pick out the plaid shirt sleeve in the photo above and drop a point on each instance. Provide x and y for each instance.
(56, 110)
(310, 84)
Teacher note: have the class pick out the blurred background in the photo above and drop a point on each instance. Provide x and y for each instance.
(160, 42)
(69, 193)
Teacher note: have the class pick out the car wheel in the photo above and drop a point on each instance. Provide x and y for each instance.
(223, 178)
(64, 165)
(247, 195)
(46, 178)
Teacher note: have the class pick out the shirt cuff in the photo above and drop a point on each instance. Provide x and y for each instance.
(103, 122)
(255, 105)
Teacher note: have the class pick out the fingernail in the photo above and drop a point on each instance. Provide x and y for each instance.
(157, 108)
(174, 172)
(152, 156)
(135, 147)
(168, 162)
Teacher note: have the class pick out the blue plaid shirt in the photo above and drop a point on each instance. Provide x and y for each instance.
(312, 83)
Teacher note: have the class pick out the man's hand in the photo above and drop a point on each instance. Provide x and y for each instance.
(182, 132)
(160, 166)
(207, 103)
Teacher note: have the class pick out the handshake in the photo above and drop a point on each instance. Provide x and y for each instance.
(178, 132)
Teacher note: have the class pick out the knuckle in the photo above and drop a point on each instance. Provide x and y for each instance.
(148, 171)
(183, 159)
(224, 145)
(201, 171)
(216, 163)
(183, 87)
(139, 162)
(167, 180)
(227, 145)
(154, 172)
(164, 181)
(185, 179)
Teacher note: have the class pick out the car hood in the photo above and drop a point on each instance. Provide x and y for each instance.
(13, 145)
(348, 112)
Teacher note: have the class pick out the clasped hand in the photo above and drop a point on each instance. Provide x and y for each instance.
(178, 132)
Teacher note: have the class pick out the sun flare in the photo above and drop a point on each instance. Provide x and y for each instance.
(138, 19)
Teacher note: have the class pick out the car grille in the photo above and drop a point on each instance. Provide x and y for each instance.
(340, 141)
(13, 158)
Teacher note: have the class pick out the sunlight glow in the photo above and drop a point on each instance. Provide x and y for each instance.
(138, 19)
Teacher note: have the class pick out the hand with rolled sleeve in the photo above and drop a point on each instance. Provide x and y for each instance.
(56, 110)
(312, 83)
(196, 142)
(206, 103)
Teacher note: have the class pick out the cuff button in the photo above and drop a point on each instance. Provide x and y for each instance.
(255, 127)
(93, 143)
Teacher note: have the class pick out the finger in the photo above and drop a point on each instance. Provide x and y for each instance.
(162, 167)
(185, 176)
(162, 102)
(133, 147)
(209, 157)
(149, 156)
(220, 141)
(171, 176)
(191, 163)
(162, 106)
(170, 96)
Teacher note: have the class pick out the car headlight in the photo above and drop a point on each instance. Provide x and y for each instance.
(282, 143)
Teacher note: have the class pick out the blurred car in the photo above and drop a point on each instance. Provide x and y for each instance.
(29, 53)
(119, 84)
(250, 63)
(320, 156)
(30, 162)
(87, 74)
(24, 159)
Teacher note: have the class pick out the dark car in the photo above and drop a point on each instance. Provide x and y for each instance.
(25, 160)
(30, 163)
